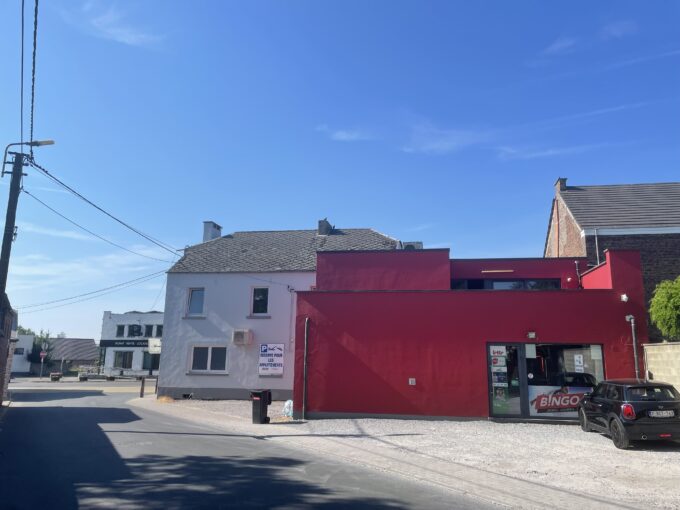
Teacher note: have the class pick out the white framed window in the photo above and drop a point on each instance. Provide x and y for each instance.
(208, 359)
(195, 302)
(259, 304)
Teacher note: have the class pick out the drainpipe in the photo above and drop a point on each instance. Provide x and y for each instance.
(597, 248)
(304, 371)
(631, 319)
(578, 274)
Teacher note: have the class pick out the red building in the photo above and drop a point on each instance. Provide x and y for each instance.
(413, 333)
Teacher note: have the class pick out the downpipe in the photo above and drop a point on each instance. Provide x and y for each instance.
(304, 370)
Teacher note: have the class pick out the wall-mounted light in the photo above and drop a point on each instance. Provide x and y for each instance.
(624, 298)
(531, 335)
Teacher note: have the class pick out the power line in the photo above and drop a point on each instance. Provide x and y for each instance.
(99, 292)
(21, 120)
(158, 243)
(90, 232)
(157, 296)
(35, 48)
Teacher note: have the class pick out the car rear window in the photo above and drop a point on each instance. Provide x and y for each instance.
(644, 393)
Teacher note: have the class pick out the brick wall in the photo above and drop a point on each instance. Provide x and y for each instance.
(570, 242)
(663, 361)
(660, 255)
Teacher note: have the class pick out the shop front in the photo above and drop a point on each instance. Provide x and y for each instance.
(541, 380)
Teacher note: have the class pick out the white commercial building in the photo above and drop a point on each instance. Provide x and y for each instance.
(230, 308)
(125, 343)
(22, 348)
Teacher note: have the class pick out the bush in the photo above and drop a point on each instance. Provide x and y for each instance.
(665, 308)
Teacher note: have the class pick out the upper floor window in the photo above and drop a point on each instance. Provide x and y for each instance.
(517, 284)
(260, 300)
(195, 303)
(159, 330)
(120, 330)
(148, 330)
(134, 330)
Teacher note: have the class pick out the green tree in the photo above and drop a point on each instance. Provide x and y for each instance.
(40, 339)
(665, 308)
(24, 331)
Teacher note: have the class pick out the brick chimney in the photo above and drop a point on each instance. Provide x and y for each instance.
(560, 184)
(325, 228)
(211, 230)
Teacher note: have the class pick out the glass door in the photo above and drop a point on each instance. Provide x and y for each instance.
(505, 363)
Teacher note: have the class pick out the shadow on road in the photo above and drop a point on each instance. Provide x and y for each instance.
(59, 457)
(47, 395)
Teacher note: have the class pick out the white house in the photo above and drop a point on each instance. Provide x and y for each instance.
(125, 342)
(22, 348)
(230, 308)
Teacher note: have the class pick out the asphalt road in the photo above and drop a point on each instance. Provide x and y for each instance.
(78, 445)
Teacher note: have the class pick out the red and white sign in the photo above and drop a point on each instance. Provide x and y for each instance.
(43, 354)
(555, 400)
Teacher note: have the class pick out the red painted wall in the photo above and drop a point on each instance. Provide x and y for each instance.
(388, 270)
(364, 346)
(562, 268)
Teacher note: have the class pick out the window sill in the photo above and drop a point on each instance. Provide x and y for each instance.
(194, 317)
(263, 316)
(205, 372)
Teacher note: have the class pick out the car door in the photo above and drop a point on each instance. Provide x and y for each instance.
(598, 404)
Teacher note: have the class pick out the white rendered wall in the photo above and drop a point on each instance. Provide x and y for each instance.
(227, 306)
(20, 363)
(111, 321)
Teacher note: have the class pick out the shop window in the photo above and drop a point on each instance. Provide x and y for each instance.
(122, 359)
(195, 303)
(209, 359)
(120, 330)
(148, 330)
(260, 300)
(151, 361)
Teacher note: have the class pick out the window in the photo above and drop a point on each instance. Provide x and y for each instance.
(209, 359)
(613, 392)
(260, 300)
(134, 330)
(19, 351)
(120, 330)
(159, 330)
(122, 359)
(654, 393)
(519, 284)
(148, 330)
(195, 304)
(151, 361)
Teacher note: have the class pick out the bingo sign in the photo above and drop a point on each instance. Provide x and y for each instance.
(271, 359)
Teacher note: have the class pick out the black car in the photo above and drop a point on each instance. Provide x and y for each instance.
(632, 409)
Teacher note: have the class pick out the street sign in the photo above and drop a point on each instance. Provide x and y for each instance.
(154, 345)
(43, 354)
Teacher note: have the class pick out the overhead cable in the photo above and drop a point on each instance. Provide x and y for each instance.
(90, 232)
(158, 243)
(98, 292)
(35, 48)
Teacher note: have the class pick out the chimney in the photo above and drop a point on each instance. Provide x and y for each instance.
(211, 230)
(325, 228)
(560, 184)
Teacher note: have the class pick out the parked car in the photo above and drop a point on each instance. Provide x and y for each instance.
(632, 409)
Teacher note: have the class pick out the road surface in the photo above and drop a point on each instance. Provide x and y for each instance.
(78, 445)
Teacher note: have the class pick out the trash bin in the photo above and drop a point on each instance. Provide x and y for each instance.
(261, 400)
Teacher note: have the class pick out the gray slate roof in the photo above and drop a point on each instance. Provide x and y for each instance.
(624, 205)
(274, 251)
(81, 349)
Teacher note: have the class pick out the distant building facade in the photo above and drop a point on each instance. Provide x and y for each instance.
(67, 355)
(587, 220)
(124, 343)
(22, 349)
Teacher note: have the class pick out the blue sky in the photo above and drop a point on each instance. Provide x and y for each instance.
(446, 122)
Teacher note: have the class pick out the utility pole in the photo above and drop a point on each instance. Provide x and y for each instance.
(10, 220)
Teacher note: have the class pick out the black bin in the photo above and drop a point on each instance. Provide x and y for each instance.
(261, 400)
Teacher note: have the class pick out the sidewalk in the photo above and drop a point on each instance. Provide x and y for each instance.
(514, 465)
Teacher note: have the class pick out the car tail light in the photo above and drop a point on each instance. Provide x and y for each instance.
(627, 411)
(665, 436)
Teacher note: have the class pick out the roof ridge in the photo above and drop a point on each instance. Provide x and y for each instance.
(571, 186)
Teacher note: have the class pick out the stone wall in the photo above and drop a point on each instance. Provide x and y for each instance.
(663, 361)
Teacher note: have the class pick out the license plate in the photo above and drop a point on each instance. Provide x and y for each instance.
(662, 414)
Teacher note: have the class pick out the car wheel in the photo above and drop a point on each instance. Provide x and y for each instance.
(583, 421)
(618, 433)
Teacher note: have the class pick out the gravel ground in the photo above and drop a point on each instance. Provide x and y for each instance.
(558, 456)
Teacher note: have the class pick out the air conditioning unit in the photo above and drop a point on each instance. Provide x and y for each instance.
(412, 245)
(241, 337)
